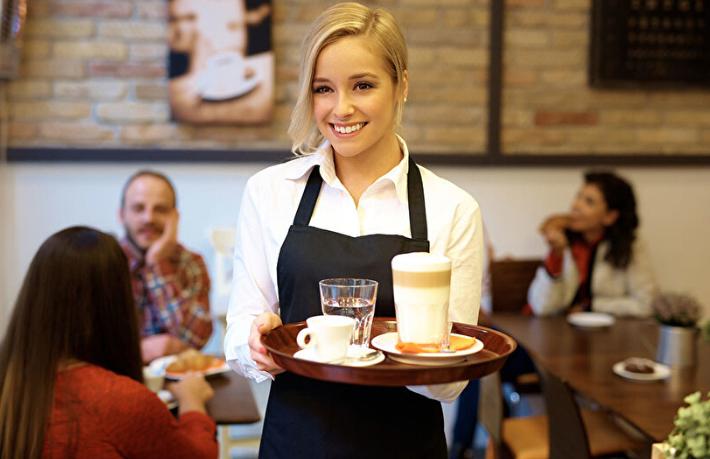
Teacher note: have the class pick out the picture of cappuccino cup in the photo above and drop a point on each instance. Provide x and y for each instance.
(421, 282)
(224, 74)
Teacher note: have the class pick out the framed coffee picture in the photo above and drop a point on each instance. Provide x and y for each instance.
(220, 61)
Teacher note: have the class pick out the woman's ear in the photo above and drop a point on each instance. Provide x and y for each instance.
(610, 217)
(405, 85)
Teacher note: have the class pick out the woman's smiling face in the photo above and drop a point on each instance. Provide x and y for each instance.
(354, 98)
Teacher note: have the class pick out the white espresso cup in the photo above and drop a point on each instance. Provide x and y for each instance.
(421, 284)
(329, 336)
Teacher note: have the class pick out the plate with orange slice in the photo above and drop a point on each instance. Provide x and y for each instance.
(460, 346)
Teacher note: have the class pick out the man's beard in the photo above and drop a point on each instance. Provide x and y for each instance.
(132, 241)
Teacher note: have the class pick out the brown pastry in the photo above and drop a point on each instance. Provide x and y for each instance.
(641, 366)
(191, 360)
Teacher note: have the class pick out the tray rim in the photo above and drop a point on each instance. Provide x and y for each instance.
(397, 374)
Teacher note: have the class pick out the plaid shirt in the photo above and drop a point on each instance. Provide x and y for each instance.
(173, 296)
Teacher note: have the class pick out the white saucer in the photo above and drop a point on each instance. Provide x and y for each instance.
(350, 361)
(239, 89)
(660, 371)
(591, 319)
(387, 342)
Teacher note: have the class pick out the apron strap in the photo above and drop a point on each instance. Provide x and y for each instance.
(415, 197)
(417, 206)
(309, 198)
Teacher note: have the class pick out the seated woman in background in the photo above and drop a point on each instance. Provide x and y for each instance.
(598, 236)
(595, 263)
(71, 370)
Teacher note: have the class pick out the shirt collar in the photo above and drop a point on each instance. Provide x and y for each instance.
(323, 157)
(135, 256)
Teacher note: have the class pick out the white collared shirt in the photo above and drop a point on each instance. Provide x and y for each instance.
(268, 207)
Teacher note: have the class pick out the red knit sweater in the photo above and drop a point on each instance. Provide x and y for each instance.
(112, 416)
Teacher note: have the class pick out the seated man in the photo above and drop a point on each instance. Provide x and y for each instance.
(170, 283)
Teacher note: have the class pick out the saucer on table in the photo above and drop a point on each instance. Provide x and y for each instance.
(660, 371)
(591, 319)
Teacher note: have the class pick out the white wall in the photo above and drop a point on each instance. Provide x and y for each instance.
(40, 199)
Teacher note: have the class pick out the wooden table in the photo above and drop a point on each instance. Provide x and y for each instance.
(584, 358)
(233, 401)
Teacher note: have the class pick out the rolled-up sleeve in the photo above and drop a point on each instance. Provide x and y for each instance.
(253, 291)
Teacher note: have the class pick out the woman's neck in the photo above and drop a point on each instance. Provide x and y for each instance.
(68, 364)
(357, 173)
(593, 236)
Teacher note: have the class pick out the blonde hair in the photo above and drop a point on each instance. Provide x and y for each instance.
(337, 22)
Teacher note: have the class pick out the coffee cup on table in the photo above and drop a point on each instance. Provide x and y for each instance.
(421, 284)
(328, 336)
(153, 380)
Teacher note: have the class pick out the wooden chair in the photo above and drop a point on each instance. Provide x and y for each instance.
(566, 432)
(510, 280)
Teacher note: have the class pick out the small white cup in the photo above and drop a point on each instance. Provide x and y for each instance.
(153, 380)
(329, 336)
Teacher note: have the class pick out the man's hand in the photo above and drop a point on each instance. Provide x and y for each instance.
(166, 243)
(156, 346)
(262, 325)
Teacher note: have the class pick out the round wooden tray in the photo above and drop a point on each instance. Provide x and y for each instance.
(281, 342)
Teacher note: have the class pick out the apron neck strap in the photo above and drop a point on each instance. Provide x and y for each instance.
(309, 198)
(417, 205)
(415, 197)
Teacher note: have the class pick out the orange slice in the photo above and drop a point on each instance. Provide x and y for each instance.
(456, 343)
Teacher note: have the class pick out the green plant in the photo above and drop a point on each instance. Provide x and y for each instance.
(690, 438)
(676, 309)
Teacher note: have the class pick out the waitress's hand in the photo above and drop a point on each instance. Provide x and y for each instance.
(262, 325)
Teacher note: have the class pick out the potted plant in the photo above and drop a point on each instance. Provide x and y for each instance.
(690, 438)
(678, 315)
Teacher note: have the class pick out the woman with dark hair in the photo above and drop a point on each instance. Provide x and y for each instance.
(595, 263)
(70, 364)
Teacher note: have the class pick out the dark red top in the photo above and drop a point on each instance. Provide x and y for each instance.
(105, 415)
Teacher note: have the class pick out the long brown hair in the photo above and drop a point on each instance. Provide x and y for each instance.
(75, 303)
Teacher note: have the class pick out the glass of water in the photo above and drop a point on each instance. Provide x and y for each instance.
(352, 298)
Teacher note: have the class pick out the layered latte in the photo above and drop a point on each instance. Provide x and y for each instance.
(421, 283)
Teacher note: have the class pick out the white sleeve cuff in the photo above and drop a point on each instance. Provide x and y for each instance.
(245, 365)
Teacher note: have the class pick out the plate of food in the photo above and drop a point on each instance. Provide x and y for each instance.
(189, 361)
(415, 354)
(591, 319)
(639, 369)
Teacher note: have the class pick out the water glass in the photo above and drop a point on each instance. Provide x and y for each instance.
(352, 298)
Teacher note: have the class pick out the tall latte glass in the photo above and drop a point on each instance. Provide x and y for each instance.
(421, 283)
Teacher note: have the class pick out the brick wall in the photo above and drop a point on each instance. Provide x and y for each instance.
(548, 107)
(93, 74)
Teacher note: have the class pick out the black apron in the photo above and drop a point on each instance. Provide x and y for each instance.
(311, 419)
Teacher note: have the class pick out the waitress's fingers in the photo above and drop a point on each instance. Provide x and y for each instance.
(264, 362)
(262, 324)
